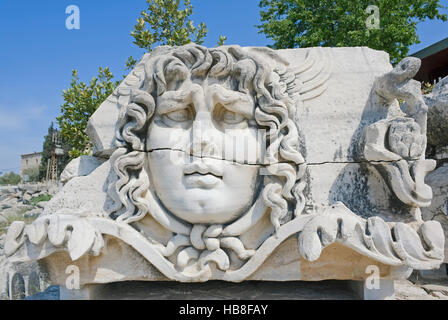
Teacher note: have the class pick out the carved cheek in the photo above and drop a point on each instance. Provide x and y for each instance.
(243, 145)
(162, 137)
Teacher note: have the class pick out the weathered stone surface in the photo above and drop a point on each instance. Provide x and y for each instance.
(5, 206)
(30, 189)
(8, 190)
(438, 180)
(101, 127)
(15, 204)
(41, 204)
(27, 197)
(80, 194)
(247, 164)
(34, 213)
(219, 290)
(253, 290)
(17, 287)
(19, 271)
(14, 210)
(438, 211)
(437, 102)
(80, 166)
(406, 290)
(34, 285)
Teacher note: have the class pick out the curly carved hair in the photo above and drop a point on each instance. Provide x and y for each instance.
(276, 101)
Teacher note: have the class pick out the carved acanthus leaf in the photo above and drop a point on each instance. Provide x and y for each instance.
(396, 145)
(399, 245)
(374, 238)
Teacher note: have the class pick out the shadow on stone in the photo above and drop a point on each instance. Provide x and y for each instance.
(220, 290)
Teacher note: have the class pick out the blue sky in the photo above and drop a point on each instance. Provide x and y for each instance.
(38, 53)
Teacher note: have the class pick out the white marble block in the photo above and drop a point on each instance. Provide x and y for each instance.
(237, 164)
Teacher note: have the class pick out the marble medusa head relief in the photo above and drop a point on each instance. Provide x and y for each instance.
(208, 147)
(208, 173)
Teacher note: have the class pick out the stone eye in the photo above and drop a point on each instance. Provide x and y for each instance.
(230, 117)
(179, 115)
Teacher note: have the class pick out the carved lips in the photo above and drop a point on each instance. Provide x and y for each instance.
(202, 175)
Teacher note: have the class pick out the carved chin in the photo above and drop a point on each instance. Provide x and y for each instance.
(206, 207)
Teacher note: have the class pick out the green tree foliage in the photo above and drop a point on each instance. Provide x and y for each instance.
(10, 178)
(166, 22)
(427, 87)
(31, 175)
(221, 40)
(340, 23)
(43, 197)
(62, 161)
(46, 153)
(81, 101)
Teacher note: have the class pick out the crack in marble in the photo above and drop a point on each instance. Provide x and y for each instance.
(274, 163)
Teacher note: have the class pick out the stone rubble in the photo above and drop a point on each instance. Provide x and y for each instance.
(17, 200)
(16, 203)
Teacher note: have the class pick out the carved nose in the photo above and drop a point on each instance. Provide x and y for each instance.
(203, 144)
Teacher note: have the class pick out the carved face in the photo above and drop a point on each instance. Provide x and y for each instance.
(204, 152)
(193, 133)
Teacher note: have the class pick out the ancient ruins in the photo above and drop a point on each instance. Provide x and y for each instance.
(246, 163)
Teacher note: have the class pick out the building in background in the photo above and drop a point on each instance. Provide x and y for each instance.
(30, 162)
(434, 62)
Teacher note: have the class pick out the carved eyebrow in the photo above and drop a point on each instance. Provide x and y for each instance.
(234, 101)
(173, 101)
